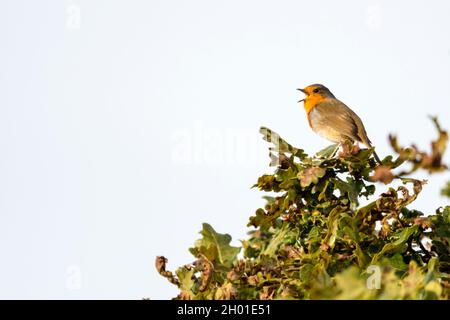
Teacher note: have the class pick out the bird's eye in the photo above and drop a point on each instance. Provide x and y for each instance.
(316, 90)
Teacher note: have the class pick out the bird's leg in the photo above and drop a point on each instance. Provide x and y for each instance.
(347, 147)
(333, 154)
(356, 148)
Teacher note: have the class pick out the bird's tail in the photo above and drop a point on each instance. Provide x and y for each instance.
(368, 143)
(377, 158)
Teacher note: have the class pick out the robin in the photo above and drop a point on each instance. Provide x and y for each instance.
(332, 119)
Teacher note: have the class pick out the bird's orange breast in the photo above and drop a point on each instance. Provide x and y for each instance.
(310, 103)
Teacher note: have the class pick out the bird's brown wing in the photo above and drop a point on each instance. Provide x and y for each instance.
(342, 119)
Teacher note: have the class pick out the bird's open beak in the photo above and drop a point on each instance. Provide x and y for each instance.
(303, 92)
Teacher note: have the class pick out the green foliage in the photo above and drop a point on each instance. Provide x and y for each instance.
(313, 239)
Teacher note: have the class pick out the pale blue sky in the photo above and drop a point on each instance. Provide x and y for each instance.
(126, 124)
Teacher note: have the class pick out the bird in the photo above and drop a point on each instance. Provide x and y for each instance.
(332, 119)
